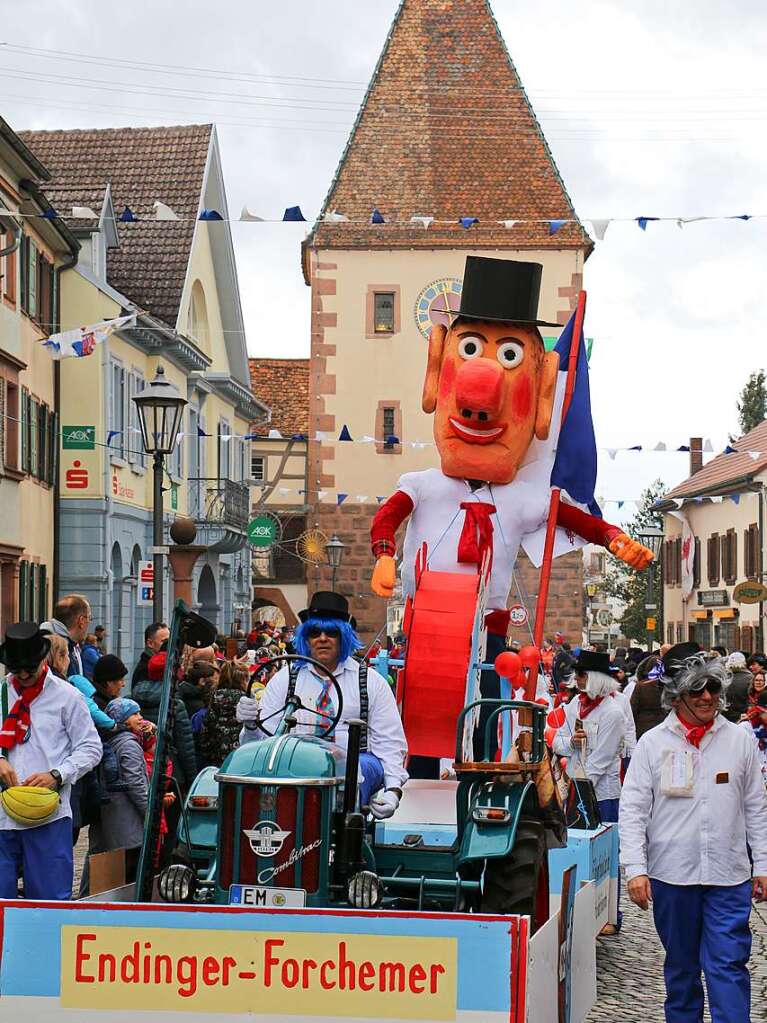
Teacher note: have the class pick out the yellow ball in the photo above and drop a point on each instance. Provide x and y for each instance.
(29, 804)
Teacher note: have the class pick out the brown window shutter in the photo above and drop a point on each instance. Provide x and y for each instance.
(737, 639)
(730, 556)
(696, 565)
(746, 640)
(678, 561)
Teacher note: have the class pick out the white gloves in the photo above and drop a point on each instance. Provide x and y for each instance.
(247, 710)
(383, 804)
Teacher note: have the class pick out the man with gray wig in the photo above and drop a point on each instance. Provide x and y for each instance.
(692, 801)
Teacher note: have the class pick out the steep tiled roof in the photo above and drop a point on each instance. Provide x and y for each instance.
(725, 470)
(446, 130)
(282, 385)
(141, 165)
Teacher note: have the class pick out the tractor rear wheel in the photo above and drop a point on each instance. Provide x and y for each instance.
(513, 884)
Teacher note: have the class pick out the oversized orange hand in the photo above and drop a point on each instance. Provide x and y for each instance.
(631, 551)
(384, 576)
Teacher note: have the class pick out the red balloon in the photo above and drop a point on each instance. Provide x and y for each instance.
(508, 664)
(530, 656)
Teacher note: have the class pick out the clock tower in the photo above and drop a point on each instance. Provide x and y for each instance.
(446, 159)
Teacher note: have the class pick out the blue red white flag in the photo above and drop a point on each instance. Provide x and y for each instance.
(82, 341)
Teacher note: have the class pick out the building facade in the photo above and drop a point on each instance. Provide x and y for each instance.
(33, 254)
(714, 527)
(279, 474)
(445, 131)
(178, 278)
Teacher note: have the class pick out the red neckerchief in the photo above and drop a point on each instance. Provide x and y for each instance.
(694, 733)
(16, 725)
(477, 533)
(586, 704)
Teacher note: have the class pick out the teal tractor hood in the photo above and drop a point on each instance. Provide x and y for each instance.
(287, 759)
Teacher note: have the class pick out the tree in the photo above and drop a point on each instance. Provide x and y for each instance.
(630, 586)
(752, 405)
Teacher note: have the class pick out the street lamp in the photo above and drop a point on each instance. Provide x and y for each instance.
(334, 552)
(652, 537)
(160, 411)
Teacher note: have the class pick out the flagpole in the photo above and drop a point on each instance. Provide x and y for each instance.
(551, 525)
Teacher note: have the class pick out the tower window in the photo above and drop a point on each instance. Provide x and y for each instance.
(383, 312)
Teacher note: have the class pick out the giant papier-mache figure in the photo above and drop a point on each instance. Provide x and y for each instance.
(492, 388)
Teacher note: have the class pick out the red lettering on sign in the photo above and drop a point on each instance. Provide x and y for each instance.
(417, 977)
(81, 957)
(76, 478)
(269, 959)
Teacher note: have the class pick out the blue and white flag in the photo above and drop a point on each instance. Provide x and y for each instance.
(567, 459)
(82, 341)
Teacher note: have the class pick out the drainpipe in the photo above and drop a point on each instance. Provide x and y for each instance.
(66, 265)
(760, 627)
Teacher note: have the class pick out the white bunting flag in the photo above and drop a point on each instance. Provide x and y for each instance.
(84, 213)
(600, 228)
(248, 216)
(425, 222)
(163, 212)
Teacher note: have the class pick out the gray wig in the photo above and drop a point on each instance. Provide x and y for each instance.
(692, 677)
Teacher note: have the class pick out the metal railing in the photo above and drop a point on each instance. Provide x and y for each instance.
(219, 502)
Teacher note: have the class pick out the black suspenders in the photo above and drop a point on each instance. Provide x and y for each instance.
(293, 671)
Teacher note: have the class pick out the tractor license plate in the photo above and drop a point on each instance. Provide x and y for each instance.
(268, 898)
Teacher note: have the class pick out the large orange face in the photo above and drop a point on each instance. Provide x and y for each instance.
(491, 387)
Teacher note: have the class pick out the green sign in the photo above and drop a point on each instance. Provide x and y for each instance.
(174, 497)
(262, 531)
(78, 438)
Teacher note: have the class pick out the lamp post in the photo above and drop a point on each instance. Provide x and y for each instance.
(160, 410)
(652, 537)
(591, 590)
(334, 552)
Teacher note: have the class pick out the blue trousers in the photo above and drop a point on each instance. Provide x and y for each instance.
(705, 927)
(373, 776)
(44, 856)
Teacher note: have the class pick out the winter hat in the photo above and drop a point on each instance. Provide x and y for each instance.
(109, 668)
(156, 666)
(736, 661)
(121, 709)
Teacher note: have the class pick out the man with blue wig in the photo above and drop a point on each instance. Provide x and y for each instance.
(327, 635)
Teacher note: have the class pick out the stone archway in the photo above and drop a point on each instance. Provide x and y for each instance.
(206, 595)
(117, 644)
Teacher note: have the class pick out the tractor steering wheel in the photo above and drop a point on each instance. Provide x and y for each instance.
(286, 658)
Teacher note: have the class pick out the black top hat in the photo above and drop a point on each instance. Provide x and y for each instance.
(673, 659)
(326, 604)
(591, 660)
(506, 290)
(25, 646)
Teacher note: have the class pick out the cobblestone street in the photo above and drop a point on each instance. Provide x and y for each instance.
(630, 970)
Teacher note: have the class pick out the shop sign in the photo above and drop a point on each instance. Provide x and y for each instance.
(78, 438)
(749, 592)
(263, 531)
(145, 588)
(713, 598)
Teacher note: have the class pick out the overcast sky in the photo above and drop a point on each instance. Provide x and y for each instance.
(655, 111)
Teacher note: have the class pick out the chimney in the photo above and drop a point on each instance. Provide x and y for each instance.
(696, 455)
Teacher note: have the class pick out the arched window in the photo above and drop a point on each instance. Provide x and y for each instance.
(198, 315)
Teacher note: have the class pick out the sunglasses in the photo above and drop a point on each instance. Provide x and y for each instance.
(712, 687)
(314, 633)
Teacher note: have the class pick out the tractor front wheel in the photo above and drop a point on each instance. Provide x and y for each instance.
(515, 884)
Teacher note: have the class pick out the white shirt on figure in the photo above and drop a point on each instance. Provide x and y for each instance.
(61, 737)
(385, 735)
(700, 838)
(605, 729)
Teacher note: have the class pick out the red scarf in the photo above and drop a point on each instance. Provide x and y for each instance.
(477, 533)
(16, 725)
(586, 704)
(694, 733)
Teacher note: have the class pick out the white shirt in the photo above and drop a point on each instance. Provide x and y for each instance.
(605, 729)
(437, 518)
(61, 737)
(697, 839)
(385, 737)
(630, 737)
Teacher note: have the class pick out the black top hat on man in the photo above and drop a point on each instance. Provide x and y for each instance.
(591, 660)
(326, 604)
(25, 646)
(674, 658)
(503, 290)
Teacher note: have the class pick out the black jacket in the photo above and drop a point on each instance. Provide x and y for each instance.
(183, 755)
(646, 706)
(737, 694)
(141, 671)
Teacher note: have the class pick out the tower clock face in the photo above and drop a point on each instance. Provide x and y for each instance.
(434, 300)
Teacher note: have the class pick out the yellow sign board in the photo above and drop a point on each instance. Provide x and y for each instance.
(651, 623)
(750, 592)
(311, 975)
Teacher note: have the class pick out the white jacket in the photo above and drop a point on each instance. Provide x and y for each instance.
(701, 838)
(605, 729)
(61, 737)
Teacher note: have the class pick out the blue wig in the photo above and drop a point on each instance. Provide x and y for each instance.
(350, 641)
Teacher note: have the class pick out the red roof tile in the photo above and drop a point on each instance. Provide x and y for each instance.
(282, 385)
(725, 470)
(446, 130)
(141, 165)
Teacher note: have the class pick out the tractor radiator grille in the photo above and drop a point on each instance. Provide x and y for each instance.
(295, 810)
